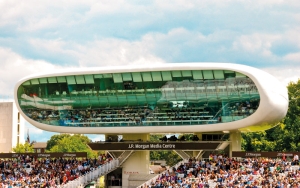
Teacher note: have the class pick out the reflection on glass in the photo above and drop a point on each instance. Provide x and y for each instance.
(160, 98)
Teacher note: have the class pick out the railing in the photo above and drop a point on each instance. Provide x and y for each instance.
(147, 123)
(182, 154)
(155, 177)
(124, 156)
(92, 175)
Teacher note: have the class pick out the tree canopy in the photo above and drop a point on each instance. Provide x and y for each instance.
(170, 156)
(70, 143)
(285, 136)
(23, 148)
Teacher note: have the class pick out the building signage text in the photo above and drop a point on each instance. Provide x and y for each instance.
(264, 154)
(151, 146)
(154, 145)
(44, 155)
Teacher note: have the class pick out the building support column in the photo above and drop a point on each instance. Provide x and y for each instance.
(138, 162)
(236, 144)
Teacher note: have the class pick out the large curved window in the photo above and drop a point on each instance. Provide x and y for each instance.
(158, 98)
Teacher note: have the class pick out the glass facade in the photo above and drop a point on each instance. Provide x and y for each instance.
(157, 98)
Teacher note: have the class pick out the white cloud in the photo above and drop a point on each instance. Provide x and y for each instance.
(107, 7)
(37, 15)
(40, 23)
(293, 57)
(177, 45)
(109, 52)
(285, 74)
(55, 47)
(106, 52)
(14, 67)
(256, 43)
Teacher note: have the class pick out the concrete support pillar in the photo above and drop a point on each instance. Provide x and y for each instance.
(236, 145)
(138, 162)
(195, 153)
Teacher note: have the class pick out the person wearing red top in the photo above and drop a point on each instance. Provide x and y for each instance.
(68, 173)
(283, 157)
(65, 179)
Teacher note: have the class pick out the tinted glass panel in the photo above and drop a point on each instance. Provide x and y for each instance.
(208, 74)
(166, 75)
(188, 97)
(89, 79)
(137, 77)
(146, 76)
(71, 80)
(176, 73)
(127, 77)
(52, 80)
(118, 78)
(197, 74)
(156, 76)
(79, 79)
(61, 79)
(43, 80)
(218, 74)
(98, 76)
(186, 73)
(34, 81)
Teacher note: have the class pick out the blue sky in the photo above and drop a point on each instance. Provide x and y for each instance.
(41, 36)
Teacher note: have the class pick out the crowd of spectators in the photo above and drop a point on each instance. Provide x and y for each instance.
(221, 171)
(137, 115)
(28, 171)
(142, 115)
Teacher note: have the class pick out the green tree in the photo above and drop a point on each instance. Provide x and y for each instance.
(170, 156)
(70, 143)
(291, 130)
(55, 139)
(23, 148)
(257, 141)
(285, 136)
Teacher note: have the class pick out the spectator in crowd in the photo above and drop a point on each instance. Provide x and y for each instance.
(26, 171)
(222, 171)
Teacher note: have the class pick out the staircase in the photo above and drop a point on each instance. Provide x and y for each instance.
(182, 154)
(93, 175)
(124, 156)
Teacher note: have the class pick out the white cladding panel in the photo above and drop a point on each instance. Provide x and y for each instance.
(9, 123)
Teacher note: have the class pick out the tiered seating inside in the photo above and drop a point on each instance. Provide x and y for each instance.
(161, 115)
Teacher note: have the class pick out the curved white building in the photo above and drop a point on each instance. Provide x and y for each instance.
(166, 98)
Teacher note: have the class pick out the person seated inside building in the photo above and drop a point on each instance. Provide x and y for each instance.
(164, 139)
(195, 138)
(173, 138)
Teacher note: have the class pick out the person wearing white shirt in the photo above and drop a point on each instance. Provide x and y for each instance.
(296, 159)
(80, 167)
(261, 170)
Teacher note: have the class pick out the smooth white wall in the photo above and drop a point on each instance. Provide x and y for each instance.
(9, 127)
